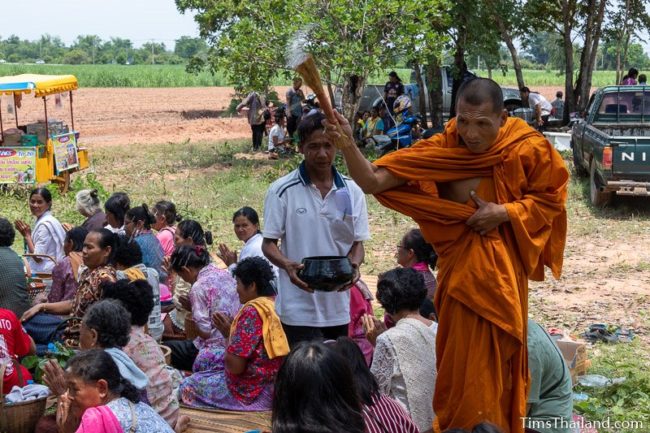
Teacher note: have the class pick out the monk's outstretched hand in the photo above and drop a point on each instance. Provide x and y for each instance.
(488, 216)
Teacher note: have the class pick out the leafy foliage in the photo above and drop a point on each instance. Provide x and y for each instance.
(55, 351)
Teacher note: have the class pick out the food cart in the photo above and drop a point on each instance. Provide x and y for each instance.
(43, 151)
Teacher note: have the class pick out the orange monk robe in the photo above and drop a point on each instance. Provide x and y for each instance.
(482, 295)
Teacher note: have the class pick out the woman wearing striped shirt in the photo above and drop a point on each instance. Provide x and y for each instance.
(381, 413)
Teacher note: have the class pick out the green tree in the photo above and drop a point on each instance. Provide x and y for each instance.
(90, 44)
(188, 47)
(626, 20)
(76, 56)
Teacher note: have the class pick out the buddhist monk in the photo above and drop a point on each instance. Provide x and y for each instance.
(489, 194)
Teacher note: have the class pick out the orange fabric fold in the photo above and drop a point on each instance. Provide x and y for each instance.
(483, 280)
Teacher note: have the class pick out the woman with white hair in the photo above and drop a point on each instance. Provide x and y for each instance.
(88, 205)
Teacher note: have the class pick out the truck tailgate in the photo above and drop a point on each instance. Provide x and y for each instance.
(631, 156)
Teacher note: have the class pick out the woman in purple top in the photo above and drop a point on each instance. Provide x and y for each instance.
(65, 274)
(213, 290)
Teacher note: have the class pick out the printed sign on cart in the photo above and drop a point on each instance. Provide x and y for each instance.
(17, 165)
(65, 152)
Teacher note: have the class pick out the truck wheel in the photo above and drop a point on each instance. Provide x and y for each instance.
(598, 197)
(580, 169)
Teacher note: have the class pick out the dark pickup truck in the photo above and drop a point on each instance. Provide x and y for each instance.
(611, 144)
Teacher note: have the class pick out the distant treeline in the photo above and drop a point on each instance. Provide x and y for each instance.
(91, 49)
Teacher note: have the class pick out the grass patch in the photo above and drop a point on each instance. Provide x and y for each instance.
(621, 403)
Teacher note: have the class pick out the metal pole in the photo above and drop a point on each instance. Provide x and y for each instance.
(47, 132)
(2, 134)
(71, 112)
(15, 109)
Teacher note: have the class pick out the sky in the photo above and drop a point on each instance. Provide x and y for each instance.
(137, 20)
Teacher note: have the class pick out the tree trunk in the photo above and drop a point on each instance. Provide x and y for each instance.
(570, 103)
(592, 33)
(507, 38)
(422, 97)
(458, 71)
(489, 69)
(434, 80)
(352, 91)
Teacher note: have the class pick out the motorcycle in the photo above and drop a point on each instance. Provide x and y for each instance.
(397, 137)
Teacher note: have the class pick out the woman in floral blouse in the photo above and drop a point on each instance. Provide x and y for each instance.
(98, 250)
(255, 350)
(213, 290)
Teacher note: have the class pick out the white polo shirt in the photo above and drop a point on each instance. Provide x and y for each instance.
(535, 98)
(306, 224)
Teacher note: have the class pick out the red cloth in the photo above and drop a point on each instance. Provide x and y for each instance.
(14, 341)
(247, 342)
(359, 307)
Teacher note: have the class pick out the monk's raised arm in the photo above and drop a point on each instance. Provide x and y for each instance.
(368, 176)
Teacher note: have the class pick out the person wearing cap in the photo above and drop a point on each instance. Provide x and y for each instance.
(392, 89)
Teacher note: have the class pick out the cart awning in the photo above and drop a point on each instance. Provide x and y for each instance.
(41, 85)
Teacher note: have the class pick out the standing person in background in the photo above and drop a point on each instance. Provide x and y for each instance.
(558, 105)
(630, 78)
(392, 89)
(47, 236)
(538, 103)
(88, 205)
(256, 105)
(116, 207)
(295, 97)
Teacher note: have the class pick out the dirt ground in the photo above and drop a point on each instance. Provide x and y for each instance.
(149, 116)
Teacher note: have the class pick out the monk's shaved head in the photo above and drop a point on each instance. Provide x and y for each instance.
(478, 91)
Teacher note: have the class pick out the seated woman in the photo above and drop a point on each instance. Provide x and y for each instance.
(315, 387)
(98, 251)
(116, 207)
(100, 400)
(137, 226)
(107, 325)
(13, 284)
(128, 262)
(15, 343)
(166, 218)
(47, 236)
(213, 290)
(66, 273)
(137, 298)
(189, 233)
(415, 253)
(256, 347)
(88, 205)
(404, 362)
(380, 412)
(246, 223)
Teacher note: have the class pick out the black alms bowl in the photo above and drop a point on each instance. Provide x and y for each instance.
(327, 273)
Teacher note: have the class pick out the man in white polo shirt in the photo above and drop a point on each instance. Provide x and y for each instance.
(313, 211)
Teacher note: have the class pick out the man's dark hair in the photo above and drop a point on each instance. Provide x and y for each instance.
(524, 89)
(478, 91)
(77, 235)
(364, 380)
(136, 296)
(401, 289)
(7, 233)
(128, 252)
(256, 270)
(559, 94)
(309, 124)
(111, 321)
(311, 371)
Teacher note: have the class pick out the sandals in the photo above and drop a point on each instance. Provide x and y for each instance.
(608, 334)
